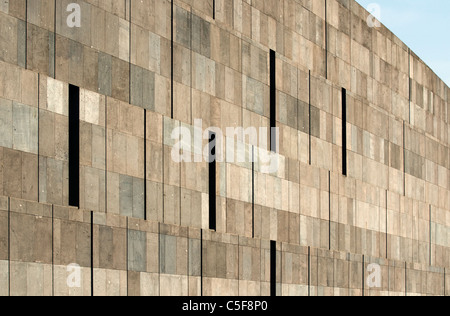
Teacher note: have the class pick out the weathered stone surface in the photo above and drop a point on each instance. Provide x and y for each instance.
(149, 233)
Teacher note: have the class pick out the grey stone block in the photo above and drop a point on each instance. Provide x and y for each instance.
(21, 40)
(315, 122)
(154, 201)
(51, 54)
(255, 96)
(138, 198)
(183, 27)
(104, 74)
(168, 254)
(396, 158)
(53, 185)
(201, 33)
(414, 164)
(287, 110)
(137, 251)
(303, 117)
(126, 195)
(142, 88)
(92, 189)
(194, 257)
(25, 128)
(131, 196)
(6, 119)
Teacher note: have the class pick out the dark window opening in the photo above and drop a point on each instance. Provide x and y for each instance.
(74, 146)
(344, 132)
(273, 101)
(273, 268)
(212, 181)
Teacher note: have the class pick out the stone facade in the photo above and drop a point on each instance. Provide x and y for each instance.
(142, 224)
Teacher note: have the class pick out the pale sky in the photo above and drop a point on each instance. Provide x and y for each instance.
(423, 25)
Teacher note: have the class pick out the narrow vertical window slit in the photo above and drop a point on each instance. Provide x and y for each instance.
(212, 181)
(171, 59)
(253, 192)
(273, 101)
(92, 253)
(74, 146)
(273, 268)
(344, 131)
(145, 164)
(309, 116)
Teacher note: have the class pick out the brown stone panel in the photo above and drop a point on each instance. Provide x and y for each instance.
(71, 237)
(295, 270)
(19, 174)
(39, 51)
(110, 242)
(31, 232)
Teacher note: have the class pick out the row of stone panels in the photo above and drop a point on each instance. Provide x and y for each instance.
(178, 193)
(134, 257)
(218, 43)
